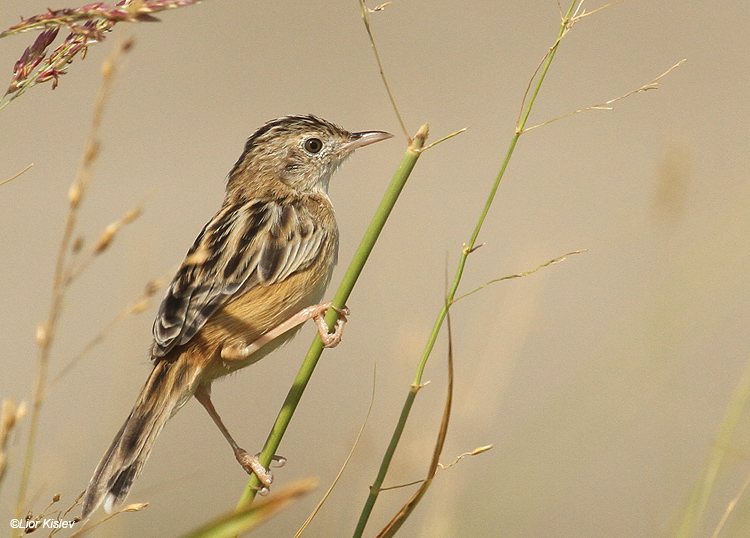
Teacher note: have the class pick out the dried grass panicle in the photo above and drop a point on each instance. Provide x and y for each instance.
(57, 63)
(31, 58)
(124, 11)
(111, 230)
(88, 25)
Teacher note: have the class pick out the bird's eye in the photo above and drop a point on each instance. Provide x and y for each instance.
(313, 145)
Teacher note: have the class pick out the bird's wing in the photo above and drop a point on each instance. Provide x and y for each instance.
(256, 243)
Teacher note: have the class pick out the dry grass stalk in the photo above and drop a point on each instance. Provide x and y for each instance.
(141, 304)
(49, 518)
(105, 240)
(3, 182)
(135, 507)
(475, 452)
(9, 417)
(328, 492)
(366, 19)
(46, 330)
(63, 514)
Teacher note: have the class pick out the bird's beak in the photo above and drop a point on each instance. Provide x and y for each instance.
(365, 138)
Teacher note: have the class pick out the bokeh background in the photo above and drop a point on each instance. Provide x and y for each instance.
(600, 381)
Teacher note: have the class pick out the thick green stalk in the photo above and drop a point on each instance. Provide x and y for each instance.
(467, 249)
(342, 295)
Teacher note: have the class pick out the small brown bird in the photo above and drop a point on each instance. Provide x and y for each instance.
(253, 275)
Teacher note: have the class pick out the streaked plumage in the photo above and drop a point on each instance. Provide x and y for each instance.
(269, 241)
(267, 254)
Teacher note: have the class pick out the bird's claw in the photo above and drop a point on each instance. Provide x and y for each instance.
(252, 466)
(330, 339)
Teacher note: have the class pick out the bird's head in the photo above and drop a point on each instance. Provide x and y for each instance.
(302, 152)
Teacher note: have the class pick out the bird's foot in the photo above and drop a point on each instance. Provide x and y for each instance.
(330, 339)
(252, 466)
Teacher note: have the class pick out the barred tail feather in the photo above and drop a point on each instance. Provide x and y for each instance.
(167, 389)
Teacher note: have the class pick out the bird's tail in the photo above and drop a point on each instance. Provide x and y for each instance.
(167, 389)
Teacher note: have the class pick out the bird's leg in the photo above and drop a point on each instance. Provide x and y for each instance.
(249, 463)
(316, 312)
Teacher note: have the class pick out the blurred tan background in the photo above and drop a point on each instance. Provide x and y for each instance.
(600, 381)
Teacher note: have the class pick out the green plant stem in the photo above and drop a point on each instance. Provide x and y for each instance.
(467, 249)
(342, 295)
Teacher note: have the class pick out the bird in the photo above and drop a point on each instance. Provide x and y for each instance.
(254, 274)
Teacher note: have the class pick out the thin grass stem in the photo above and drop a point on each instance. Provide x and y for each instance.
(366, 19)
(46, 331)
(328, 492)
(519, 275)
(467, 249)
(3, 182)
